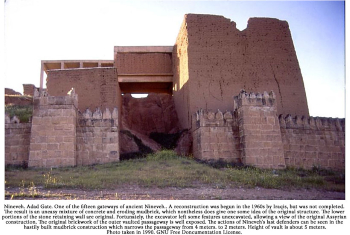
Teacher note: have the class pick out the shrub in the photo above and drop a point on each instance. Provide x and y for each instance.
(23, 112)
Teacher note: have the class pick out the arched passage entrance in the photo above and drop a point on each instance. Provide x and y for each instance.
(150, 122)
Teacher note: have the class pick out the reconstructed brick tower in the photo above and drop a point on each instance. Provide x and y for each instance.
(213, 61)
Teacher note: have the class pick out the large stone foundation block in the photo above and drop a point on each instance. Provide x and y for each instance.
(53, 132)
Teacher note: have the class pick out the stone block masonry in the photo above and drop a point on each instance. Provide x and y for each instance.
(216, 137)
(17, 139)
(97, 137)
(52, 141)
(310, 142)
(60, 135)
(259, 130)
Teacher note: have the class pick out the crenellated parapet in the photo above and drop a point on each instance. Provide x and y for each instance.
(97, 136)
(253, 134)
(313, 141)
(60, 135)
(254, 99)
(210, 118)
(88, 118)
(98, 114)
(312, 123)
(215, 136)
(12, 120)
(259, 130)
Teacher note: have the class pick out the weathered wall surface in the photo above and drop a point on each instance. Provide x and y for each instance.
(28, 89)
(184, 144)
(216, 137)
(143, 63)
(181, 86)
(9, 91)
(142, 117)
(17, 139)
(274, 65)
(96, 87)
(18, 100)
(97, 137)
(52, 141)
(222, 60)
(155, 113)
(310, 142)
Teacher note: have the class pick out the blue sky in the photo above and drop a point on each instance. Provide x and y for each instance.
(38, 30)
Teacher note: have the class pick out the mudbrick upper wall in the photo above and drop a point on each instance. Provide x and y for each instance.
(18, 100)
(181, 86)
(28, 89)
(96, 87)
(9, 91)
(143, 63)
(222, 60)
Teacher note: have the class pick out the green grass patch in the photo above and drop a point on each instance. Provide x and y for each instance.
(166, 169)
(23, 112)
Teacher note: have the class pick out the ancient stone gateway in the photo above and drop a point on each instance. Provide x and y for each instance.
(239, 95)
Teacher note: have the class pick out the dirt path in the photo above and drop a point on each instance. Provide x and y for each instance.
(200, 193)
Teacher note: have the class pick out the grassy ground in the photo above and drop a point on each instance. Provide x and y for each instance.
(166, 169)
